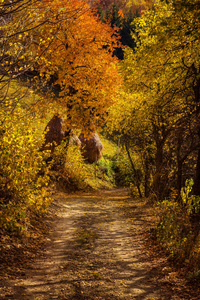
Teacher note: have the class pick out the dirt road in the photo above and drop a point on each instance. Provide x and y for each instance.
(96, 250)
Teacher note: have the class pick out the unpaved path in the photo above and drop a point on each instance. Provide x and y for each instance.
(96, 251)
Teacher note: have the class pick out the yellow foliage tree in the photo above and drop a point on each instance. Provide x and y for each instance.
(23, 173)
(163, 73)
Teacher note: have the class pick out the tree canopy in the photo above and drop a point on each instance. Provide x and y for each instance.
(162, 76)
(65, 43)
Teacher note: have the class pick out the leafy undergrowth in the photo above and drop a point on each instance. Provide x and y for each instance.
(179, 234)
(18, 252)
(167, 268)
(178, 230)
(24, 176)
(71, 172)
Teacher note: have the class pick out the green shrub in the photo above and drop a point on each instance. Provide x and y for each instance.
(106, 169)
(72, 172)
(190, 202)
(176, 230)
(126, 175)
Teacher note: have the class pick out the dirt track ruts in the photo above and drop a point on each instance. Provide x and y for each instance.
(96, 251)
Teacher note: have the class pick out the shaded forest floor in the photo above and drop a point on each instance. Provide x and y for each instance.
(93, 246)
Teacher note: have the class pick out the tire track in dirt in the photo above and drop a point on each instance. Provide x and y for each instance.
(94, 252)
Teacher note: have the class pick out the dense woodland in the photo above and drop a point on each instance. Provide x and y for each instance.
(129, 70)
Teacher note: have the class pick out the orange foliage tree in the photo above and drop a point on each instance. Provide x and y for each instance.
(65, 42)
(79, 56)
(60, 40)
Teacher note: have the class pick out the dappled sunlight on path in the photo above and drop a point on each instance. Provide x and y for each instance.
(95, 251)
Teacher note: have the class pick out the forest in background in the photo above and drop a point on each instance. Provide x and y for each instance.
(127, 69)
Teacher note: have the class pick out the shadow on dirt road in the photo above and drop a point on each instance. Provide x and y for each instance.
(96, 251)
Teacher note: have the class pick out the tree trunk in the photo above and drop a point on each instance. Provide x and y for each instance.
(179, 176)
(179, 161)
(196, 88)
(134, 170)
(146, 178)
(157, 186)
(196, 187)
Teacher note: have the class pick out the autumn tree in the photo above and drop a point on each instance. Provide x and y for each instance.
(58, 45)
(121, 14)
(129, 120)
(80, 59)
(64, 43)
(113, 13)
(20, 24)
(163, 73)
